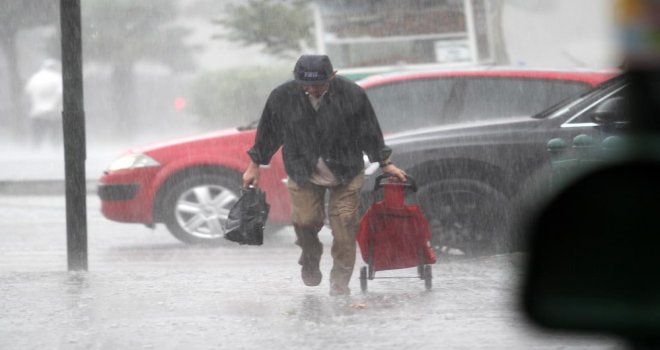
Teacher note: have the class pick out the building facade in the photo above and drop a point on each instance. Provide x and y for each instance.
(383, 32)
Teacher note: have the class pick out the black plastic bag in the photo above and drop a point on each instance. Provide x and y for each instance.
(247, 218)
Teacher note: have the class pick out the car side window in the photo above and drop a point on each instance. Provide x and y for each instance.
(504, 97)
(411, 104)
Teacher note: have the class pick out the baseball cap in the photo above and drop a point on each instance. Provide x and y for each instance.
(313, 69)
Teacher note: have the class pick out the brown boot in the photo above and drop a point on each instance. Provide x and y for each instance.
(310, 272)
(339, 290)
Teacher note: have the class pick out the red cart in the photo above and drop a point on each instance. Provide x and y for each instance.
(395, 235)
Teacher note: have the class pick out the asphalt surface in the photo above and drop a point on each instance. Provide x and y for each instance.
(145, 290)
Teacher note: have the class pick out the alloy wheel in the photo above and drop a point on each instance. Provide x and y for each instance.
(202, 211)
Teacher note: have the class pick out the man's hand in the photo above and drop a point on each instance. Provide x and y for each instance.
(251, 175)
(392, 169)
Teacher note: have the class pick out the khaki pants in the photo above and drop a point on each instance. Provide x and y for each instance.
(308, 201)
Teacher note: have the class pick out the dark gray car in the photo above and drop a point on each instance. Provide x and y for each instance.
(473, 176)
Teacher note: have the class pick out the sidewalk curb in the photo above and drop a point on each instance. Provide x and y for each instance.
(39, 187)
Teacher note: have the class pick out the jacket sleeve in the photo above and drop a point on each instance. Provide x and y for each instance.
(269, 134)
(371, 136)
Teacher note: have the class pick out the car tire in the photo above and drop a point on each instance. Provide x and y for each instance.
(530, 196)
(196, 208)
(466, 217)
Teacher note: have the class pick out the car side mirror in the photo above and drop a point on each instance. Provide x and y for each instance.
(611, 114)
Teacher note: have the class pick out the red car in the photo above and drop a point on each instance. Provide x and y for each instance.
(190, 184)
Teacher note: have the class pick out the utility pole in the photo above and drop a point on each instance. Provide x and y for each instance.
(73, 117)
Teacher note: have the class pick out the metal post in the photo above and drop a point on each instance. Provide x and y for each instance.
(471, 30)
(73, 117)
(318, 28)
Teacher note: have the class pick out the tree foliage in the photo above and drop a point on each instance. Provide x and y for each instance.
(236, 96)
(18, 14)
(127, 31)
(15, 16)
(283, 27)
(122, 33)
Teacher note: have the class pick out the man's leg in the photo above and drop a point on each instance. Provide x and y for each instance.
(344, 222)
(308, 214)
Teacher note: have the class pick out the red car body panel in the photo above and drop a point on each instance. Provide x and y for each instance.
(139, 208)
(227, 149)
(592, 78)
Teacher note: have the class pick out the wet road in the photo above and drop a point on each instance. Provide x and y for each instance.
(145, 290)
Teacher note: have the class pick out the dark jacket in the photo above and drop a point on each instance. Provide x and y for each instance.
(344, 127)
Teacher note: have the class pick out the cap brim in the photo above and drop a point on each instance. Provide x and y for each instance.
(313, 82)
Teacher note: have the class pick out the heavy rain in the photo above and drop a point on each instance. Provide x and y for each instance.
(469, 95)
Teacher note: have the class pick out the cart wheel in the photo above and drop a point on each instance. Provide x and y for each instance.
(363, 278)
(428, 277)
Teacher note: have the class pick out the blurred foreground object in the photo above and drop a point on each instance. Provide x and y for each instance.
(593, 246)
(639, 31)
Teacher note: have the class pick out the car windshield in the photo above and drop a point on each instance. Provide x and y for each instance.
(570, 104)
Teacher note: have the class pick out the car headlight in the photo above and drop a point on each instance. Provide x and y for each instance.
(132, 161)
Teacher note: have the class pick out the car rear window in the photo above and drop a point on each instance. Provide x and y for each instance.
(412, 104)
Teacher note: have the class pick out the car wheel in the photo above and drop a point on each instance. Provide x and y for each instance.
(196, 208)
(466, 217)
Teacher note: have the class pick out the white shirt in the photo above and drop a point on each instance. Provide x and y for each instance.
(321, 175)
(44, 90)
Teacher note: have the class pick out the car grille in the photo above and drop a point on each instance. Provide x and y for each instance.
(117, 192)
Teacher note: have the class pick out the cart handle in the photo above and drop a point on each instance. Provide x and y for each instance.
(410, 182)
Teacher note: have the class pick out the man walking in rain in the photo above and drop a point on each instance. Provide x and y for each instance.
(44, 90)
(324, 124)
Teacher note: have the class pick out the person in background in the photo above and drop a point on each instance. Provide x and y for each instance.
(325, 124)
(44, 92)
